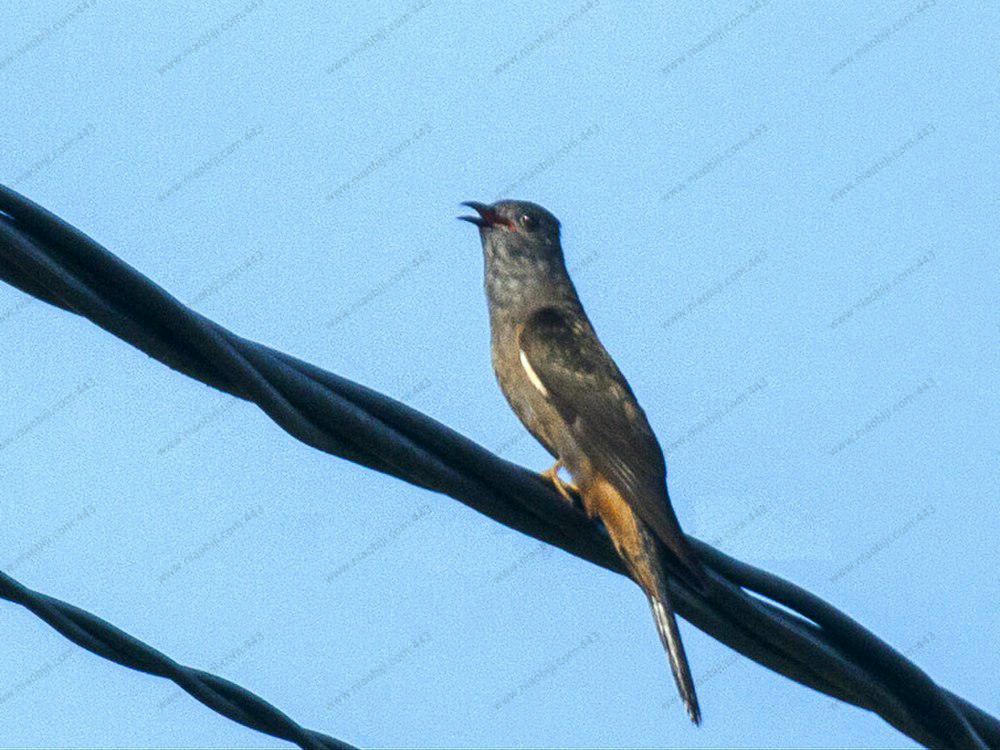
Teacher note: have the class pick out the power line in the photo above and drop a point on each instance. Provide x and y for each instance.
(219, 694)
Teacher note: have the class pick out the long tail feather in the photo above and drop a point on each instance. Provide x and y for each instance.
(666, 625)
(638, 548)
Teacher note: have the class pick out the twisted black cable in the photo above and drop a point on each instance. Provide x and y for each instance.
(819, 646)
(219, 694)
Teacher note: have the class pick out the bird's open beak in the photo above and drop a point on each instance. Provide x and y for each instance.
(487, 216)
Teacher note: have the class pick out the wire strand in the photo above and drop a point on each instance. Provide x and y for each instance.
(221, 695)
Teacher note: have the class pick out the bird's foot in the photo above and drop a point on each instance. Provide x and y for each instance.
(563, 488)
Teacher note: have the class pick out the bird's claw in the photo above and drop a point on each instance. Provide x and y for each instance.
(566, 489)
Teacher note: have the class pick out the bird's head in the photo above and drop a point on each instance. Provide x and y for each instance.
(516, 231)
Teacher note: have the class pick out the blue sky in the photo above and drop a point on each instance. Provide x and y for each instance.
(781, 217)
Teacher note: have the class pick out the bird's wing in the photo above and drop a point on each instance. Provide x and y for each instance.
(567, 363)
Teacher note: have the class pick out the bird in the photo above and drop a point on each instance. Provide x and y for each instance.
(568, 392)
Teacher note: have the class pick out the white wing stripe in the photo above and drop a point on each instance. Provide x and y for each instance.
(532, 375)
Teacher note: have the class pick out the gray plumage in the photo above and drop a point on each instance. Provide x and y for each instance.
(569, 393)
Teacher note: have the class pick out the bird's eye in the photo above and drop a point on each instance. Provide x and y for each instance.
(529, 222)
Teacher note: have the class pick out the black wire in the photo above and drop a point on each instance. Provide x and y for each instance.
(817, 646)
(852, 637)
(221, 695)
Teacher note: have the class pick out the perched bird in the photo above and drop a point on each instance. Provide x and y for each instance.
(568, 392)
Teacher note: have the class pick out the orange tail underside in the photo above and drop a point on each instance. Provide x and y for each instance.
(602, 499)
(636, 546)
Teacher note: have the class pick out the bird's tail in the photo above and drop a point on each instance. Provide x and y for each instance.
(670, 636)
(638, 548)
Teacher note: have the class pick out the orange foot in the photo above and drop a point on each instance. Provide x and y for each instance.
(563, 488)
